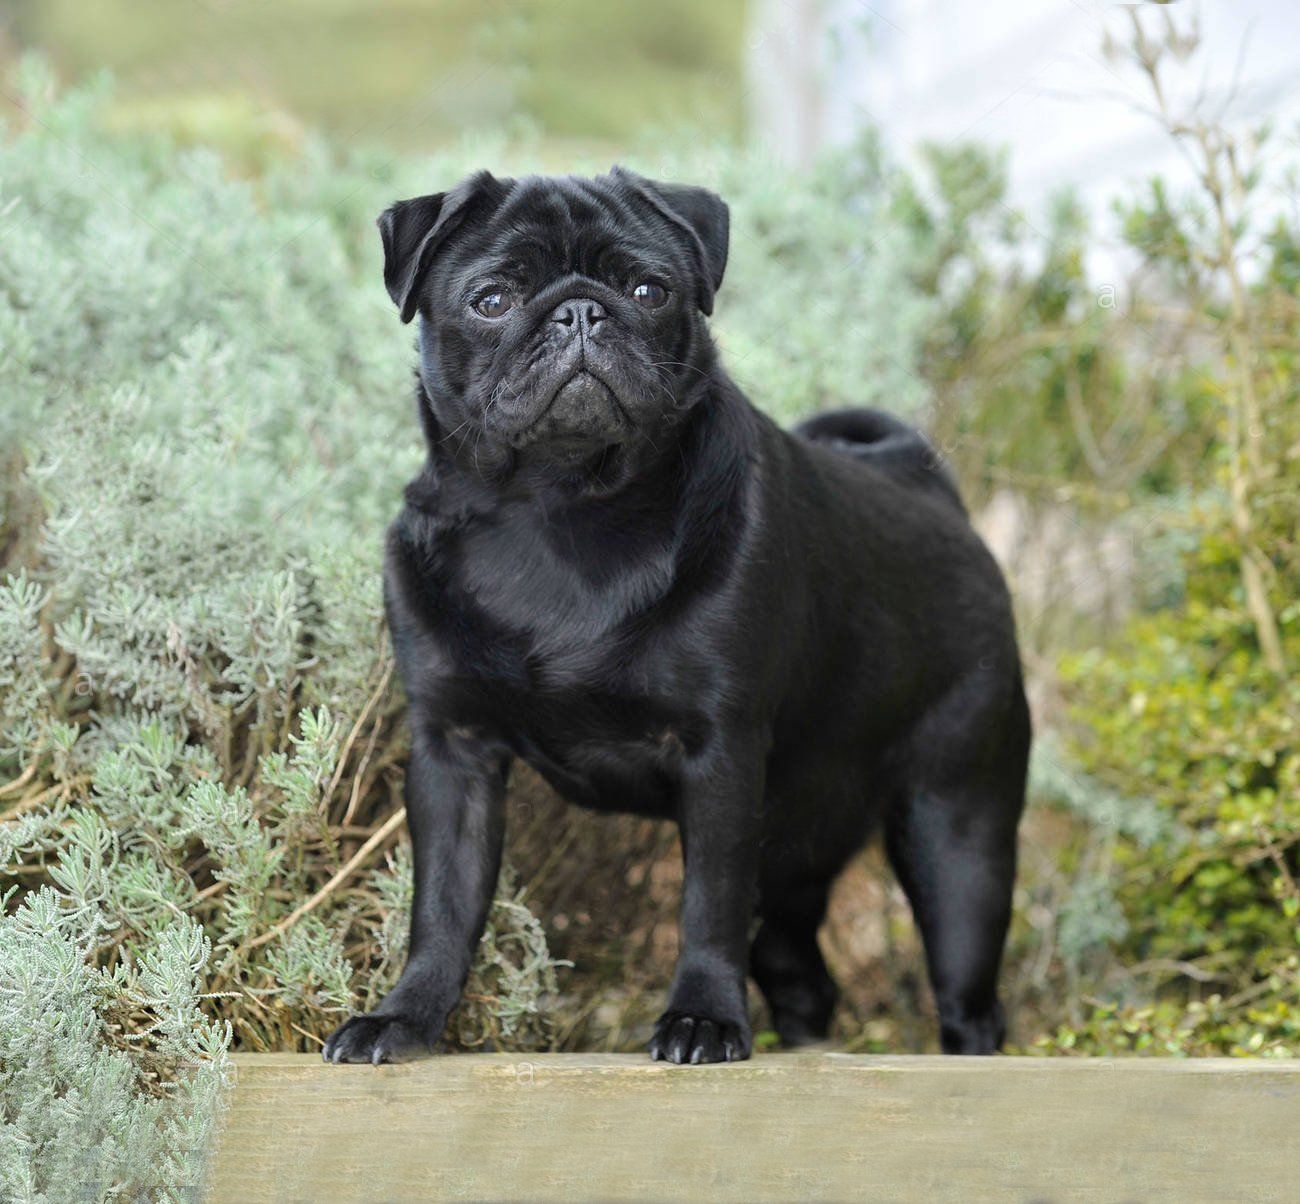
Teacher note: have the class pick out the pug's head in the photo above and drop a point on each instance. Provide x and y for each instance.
(561, 317)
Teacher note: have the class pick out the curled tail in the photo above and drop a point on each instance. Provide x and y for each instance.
(875, 437)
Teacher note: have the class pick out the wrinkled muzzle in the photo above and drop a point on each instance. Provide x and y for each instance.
(585, 384)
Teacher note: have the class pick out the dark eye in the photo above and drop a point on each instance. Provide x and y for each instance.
(650, 294)
(494, 305)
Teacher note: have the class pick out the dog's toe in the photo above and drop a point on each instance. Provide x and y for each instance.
(694, 1040)
(376, 1039)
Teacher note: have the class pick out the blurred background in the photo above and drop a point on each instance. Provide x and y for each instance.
(407, 74)
(796, 76)
(1064, 238)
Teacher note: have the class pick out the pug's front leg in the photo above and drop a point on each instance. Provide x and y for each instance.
(455, 810)
(720, 818)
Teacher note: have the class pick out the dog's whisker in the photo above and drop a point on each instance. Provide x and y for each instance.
(680, 364)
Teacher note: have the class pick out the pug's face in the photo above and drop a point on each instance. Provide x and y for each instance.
(560, 316)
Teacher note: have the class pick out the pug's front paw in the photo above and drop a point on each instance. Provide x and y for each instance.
(375, 1038)
(682, 1037)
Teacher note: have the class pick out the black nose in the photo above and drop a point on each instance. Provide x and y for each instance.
(581, 313)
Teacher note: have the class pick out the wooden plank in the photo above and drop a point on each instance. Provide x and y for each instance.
(782, 1126)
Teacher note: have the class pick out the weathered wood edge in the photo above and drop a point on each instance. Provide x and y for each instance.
(253, 1063)
(808, 1125)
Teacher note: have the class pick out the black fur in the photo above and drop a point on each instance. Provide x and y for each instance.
(617, 569)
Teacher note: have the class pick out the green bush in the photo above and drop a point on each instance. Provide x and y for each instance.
(1183, 712)
(1196, 708)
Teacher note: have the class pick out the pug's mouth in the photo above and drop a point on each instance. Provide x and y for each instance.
(584, 412)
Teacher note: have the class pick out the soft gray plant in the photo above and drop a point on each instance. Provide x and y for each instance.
(88, 1109)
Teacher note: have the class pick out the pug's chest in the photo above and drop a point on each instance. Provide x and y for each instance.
(560, 594)
(604, 744)
(610, 734)
(556, 664)
(623, 756)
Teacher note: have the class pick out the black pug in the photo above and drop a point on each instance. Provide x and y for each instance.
(617, 569)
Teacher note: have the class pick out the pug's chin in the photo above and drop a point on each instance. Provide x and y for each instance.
(583, 422)
(565, 455)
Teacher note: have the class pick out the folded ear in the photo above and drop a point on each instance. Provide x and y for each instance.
(701, 215)
(412, 231)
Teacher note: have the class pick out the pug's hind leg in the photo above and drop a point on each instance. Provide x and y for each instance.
(951, 838)
(787, 964)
